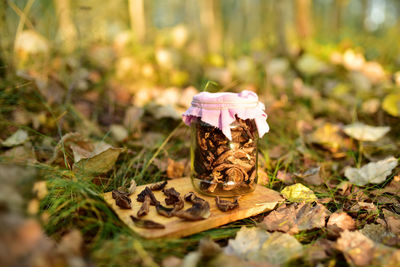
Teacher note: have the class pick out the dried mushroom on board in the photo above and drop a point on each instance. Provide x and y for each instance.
(222, 166)
(200, 209)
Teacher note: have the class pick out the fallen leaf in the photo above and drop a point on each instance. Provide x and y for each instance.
(71, 243)
(255, 244)
(16, 139)
(340, 221)
(356, 247)
(391, 104)
(285, 177)
(175, 169)
(371, 106)
(359, 250)
(132, 118)
(363, 132)
(263, 178)
(311, 176)
(162, 112)
(393, 221)
(40, 189)
(20, 154)
(118, 132)
(247, 241)
(377, 233)
(328, 136)
(315, 253)
(298, 193)
(373, 172)
(276, 152)
(100, 160)
(295, 218)
(392, 188)
(284, 246)
(172, 261)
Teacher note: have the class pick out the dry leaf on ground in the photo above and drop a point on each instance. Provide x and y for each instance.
(311, 176)
(175, 169)
(393, 221)
(100, 160)
(16, 139)
(363, 132)
(340, 221)
(298, 193)
(263, 178)
(392, 188)
(378, 234)
(373, 172)
(255, 244)
(295, 218)
(285, 177)
(357, 248)
(328, 137)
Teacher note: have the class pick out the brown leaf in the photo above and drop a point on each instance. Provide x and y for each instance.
(340, 221)
(356, 247)
(311, 176)
(71, 243)
(393, 221)
(285, 177)
(175, 169)
(392, 188)
(263, 178)
(296, 217)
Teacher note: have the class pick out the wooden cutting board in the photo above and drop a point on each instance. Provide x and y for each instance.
(261, 200)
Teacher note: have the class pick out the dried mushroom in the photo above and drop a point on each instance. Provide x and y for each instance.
(193, 198)
(130, 190)
(200, 209)
(146, 223)
(144, 209)
(158, 186)
(147, 191)
(226, 205)
(172, 196)
(132, 187)
(222, 165)
(164, 211)
(122, 199)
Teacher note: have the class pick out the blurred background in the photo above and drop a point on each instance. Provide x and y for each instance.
(179, 43)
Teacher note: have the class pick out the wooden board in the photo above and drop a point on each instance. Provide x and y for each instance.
(261, 200)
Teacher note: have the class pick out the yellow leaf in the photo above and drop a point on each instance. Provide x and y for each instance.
(391, 104)
(298, 193)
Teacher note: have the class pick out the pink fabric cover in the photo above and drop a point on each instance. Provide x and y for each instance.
(219, 110)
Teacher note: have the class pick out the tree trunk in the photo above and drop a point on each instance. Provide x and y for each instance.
(138, 19)
(304, 18)
(210, 19)
(66, 29)
(281, 27)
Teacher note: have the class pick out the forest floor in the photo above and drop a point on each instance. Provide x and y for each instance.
(75, 132)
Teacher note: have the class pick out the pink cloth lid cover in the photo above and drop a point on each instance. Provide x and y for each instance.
(219, 110)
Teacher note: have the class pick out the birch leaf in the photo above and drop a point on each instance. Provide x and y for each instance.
(298, 193)
(373, 172)
(364, 132)
(255, 244)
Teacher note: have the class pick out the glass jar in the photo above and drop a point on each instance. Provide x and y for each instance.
(220, 166)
